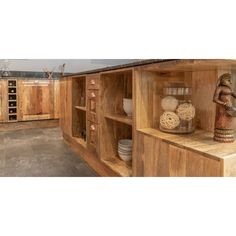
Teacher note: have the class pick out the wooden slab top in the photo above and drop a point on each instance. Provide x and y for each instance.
(200, 141)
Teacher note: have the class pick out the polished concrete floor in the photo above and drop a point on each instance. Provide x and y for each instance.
(39, 152)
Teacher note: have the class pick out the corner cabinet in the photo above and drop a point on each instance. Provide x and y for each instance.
(36, 100)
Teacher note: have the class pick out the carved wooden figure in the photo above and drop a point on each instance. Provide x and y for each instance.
(224, 110)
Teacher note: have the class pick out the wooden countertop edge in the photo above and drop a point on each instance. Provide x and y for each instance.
(205, 154)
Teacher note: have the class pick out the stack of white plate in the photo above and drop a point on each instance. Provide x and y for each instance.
(125, 149)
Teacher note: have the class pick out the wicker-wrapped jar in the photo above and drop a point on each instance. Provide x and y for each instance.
(178, 112)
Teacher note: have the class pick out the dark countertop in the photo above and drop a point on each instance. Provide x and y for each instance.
(133, 64)
(31, 75)
(42, 75)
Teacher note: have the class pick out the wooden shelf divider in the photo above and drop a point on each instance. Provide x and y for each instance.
(80, 108)
(120, 118)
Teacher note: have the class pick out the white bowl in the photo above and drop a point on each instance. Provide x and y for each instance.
(125, 142)
(125, 157)
(124, 149)
(127, 106)
(125, 152)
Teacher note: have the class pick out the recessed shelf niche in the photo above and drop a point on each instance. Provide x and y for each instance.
(79, 109)
(115, 124)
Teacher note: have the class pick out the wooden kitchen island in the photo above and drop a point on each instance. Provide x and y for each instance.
(92, 105)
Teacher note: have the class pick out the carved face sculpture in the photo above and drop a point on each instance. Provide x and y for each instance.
(225, 80)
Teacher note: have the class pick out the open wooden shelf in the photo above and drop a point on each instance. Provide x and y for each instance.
(114, 88)
(200, 141)
(120, 167)
(115, 125)
(120, 118)
(112, 132)
(80, 108)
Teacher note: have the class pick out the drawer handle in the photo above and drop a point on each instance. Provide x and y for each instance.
(92, 127)
(92, 82)
(93, 95)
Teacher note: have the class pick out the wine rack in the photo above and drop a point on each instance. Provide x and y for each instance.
(12, 100)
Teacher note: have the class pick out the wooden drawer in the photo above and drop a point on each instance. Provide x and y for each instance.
(93, 82)
(93, 100)
(92, 136)
(92, 116)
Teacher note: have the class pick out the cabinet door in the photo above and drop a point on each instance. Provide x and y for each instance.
(3, 101)
(36, 101)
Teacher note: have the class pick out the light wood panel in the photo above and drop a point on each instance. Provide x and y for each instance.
(56, 99)
(115, 87)
(3, 101)
(204, 84)
(200, 142)
(66, 105)
(161, 158)
(28, 125)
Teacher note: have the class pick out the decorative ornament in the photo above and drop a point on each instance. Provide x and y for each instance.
(186, 111)
(169, 103)
(169, 120)
(62, 69)
(49, 73)
(225, 111)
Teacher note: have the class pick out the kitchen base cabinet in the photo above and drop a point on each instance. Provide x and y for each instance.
(23, 99)
(36, 100)
(154, 153)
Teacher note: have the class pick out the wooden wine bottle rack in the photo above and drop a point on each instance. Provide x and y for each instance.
(12, 100)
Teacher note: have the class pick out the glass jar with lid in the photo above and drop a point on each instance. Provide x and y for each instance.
(178, 112)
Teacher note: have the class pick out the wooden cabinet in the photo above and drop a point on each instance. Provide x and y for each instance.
(36, 99)
(3, 100)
